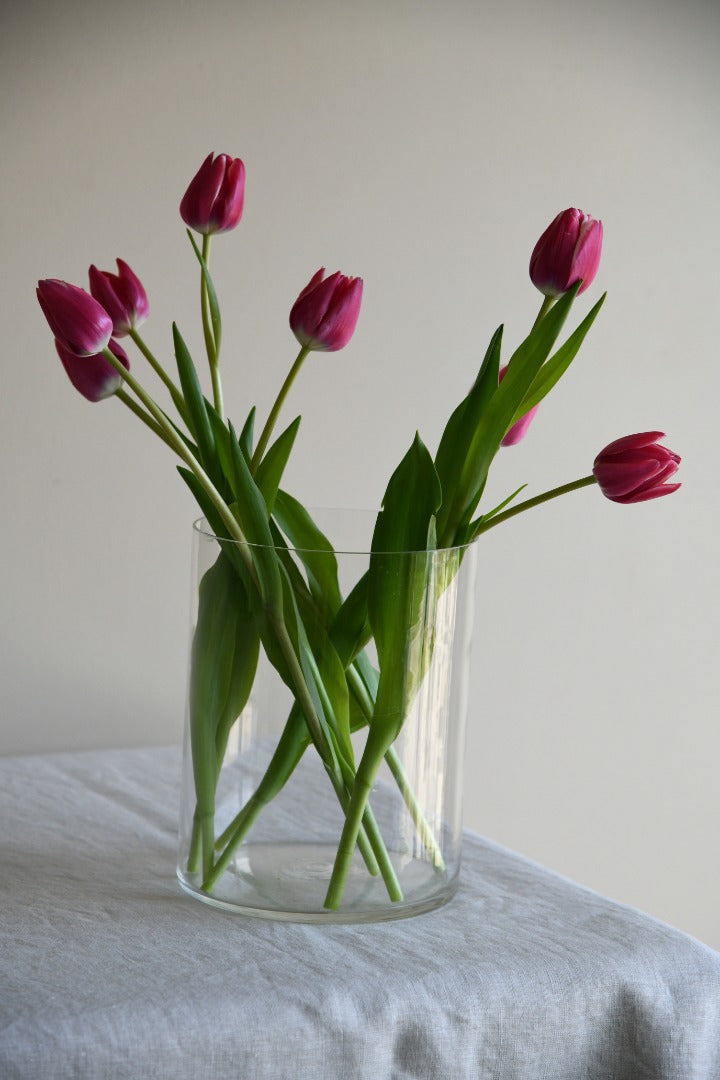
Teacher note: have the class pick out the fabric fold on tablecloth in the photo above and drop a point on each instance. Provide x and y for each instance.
(108, 971)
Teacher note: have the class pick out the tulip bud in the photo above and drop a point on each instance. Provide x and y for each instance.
(76, 319)
(519, 430)
(325, 314)
(635, 468)
(93, 376)
(568, 250)
(122, 296)
(214, 200)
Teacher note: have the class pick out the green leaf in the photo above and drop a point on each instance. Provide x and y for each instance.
(204, 501)
(217, 526)
(291, 746)
(314, 550)
(244, 665)
(256, 528)
(246, 435)
(500, 506)
(363, 685)
(368, 674)
(558, 364)
(317, 723)
(460, 431)
(212, 295)
(223, 450)
(397, 583)
(270, 470)
(224, 654)
(211, 673)
(194, 400)
(350, 630)
(323, 670)
(497, 416)
(412, 497)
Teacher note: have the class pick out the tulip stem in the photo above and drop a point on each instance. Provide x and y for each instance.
(175, 441)
(275, 411)
(547, 303)
(144, 416)
(314, 723)
(212, 347)
(157, 367)
(483, 526)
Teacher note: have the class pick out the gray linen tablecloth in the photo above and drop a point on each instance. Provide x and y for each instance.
(108, 971)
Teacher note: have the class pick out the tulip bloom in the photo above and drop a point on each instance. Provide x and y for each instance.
(519, 430)
(76, 319)
(214, 200)
(325, 314)
(93, 376)
(122, 295)
(567, 251)
(635, 468)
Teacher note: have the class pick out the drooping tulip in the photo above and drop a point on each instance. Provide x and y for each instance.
(325, 314)
(93, 376)
(635, 468)
(75, 317)
(122, 295)
(519, 430)
(568, 250)
(214, 200)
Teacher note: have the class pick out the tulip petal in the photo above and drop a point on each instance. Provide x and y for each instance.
(645, 496)
(122, 295)
(75, 317)
(635, 468)
(228, 206)
(314, 280)
(568, 251)
(340, 320)
(632, 442)
(214, 199)
(93, 376)
(325, 313)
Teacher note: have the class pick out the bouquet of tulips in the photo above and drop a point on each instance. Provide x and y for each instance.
(315, 637)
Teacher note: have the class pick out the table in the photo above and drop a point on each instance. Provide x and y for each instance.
(108, 971)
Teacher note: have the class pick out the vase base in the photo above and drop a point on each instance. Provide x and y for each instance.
(288, 883)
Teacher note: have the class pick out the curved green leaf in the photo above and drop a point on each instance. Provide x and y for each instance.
(314, 550)
(397, 583)
(558, 364)
(194, 399)
(270, 470)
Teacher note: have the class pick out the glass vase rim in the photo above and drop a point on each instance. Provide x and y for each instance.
(202, 529)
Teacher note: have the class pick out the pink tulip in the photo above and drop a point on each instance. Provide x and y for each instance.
(567, 251)
(214, 200)
(76, 319)
(122, 295)
(325, 314)
(518, 431)
(635, 468)
(93, 376)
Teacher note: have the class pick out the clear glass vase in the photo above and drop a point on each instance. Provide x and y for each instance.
(318, 784)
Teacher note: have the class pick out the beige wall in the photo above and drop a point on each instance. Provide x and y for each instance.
(423, 146)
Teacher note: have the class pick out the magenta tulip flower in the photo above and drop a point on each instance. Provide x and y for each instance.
(75, 317)
(122, 295)
(519, 430)
(93, 376)
(636, 468)
(568, 250)
(214, 200)
(325, 314)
